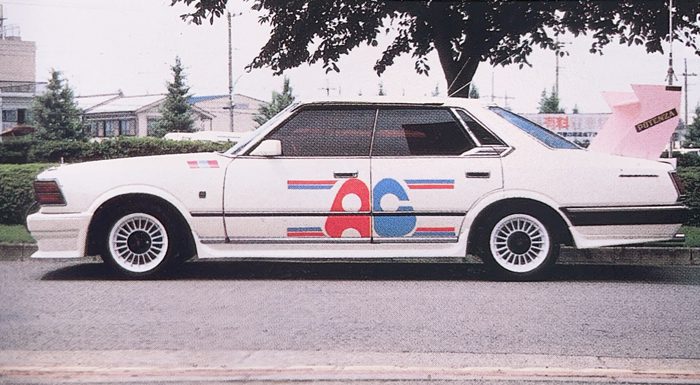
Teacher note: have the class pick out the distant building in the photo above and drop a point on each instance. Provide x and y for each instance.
(244, 109)
(110, 115)
(18, 85)
(578, 128)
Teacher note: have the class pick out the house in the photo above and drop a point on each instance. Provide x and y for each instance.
(115, 114)
(111, 115)
(244, 109)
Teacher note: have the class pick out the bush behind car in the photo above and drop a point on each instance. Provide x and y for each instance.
(22, 159)
(35, 151)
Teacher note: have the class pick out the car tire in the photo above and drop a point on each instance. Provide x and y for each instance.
(518, 244)
(141, 242)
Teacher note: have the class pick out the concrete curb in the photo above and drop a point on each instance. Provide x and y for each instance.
(636, 256)
(17, 251)
(335, 367)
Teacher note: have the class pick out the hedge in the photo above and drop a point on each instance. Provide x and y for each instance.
(34, 151)
(691, 182)
(16, 191)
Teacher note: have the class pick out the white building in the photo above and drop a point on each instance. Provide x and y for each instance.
(109, 115)
(17, 81)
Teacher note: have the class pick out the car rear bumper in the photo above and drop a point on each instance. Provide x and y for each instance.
(614, 226)
(59, 235)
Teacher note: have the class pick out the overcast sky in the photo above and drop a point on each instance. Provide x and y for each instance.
(102, 46)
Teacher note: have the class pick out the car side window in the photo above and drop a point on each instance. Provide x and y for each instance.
(419, 132)
(484, 136)
(327, 132)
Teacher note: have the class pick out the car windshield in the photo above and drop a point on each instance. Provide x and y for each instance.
(250, 136)
(540, 133)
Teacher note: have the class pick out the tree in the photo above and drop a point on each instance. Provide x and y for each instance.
(549, 104)
(474, 92)
(463, 33)
(279, 102)
(56, 115)
(692, 135)
(176, 111)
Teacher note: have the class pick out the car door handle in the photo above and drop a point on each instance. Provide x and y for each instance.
(478, 174)
(345, 174)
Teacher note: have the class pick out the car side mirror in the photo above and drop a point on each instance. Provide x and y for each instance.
(270, 147)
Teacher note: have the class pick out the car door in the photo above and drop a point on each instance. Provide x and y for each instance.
(427, 170)
(316, 191)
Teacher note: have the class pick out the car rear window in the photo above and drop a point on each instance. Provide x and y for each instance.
(419, 131)
(540, 133)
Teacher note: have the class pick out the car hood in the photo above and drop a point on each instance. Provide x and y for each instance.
(144, 166)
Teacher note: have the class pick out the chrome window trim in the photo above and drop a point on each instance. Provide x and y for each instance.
(484, 126)
(253, 214)
(277, 241)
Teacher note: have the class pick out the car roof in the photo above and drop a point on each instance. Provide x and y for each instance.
(385, 100)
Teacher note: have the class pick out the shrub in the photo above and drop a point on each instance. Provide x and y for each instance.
(15, 150)
(16, 191)
(691, 181)
(29, 150)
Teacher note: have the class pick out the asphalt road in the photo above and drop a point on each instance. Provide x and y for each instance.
(76, 312)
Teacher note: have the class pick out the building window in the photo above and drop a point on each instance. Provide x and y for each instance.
(151, 124)
(111, 127)
(127, 127)
(9, 116)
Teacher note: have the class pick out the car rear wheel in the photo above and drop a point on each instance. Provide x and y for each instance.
(140, 242)
(519, 245)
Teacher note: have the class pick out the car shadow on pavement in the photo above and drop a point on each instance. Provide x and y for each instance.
(220, 270)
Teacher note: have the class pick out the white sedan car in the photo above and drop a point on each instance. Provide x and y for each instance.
(361, 180)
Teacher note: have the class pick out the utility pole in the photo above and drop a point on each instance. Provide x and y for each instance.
(2, 24)
(327, 88)
(685, 74)
(669, 73)
(556, 65)
(230, 72)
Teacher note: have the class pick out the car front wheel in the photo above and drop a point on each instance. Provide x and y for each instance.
(139, 243)
(519, 245)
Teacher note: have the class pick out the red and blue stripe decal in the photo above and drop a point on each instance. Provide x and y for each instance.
(430, 184)
(434, 232)
(305, 232)
(310, 184)
(203, 163)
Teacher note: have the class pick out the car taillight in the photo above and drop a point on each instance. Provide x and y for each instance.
(47, 192)
(678, 182)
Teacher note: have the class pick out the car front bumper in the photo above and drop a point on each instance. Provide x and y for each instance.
(59, 235)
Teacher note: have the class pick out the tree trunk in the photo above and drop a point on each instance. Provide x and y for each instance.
(458, 72)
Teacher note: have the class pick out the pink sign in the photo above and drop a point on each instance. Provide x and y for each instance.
(641, 123)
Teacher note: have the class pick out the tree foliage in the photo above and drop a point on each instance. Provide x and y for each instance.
(56, 116)
(176, 111)
(463, 33)
(279, 102)
(692, 136)
(549, 104)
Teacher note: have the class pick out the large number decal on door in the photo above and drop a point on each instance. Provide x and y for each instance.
(348, 195)
(393, 213)
(395, 225)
